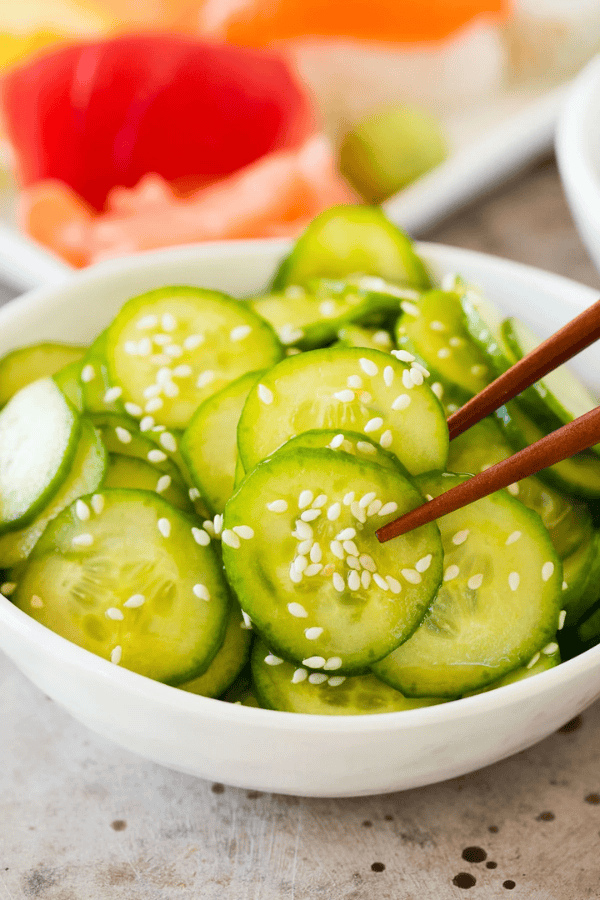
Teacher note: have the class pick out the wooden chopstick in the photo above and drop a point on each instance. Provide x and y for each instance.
(570, 340)
(561, 444)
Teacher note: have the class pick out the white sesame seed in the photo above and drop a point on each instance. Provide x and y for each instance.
(320, 501)
(300, 563)
(367, 562)
(8, 588)
(305, 546)
(423, 564)
(146, 423)
(368, 366)
(334, 662)
(327, 308)
(153, 390)
(365, 579)
(153, 405)
(156, 456)
(83, 540)
(564, 586)
(205, 378)
(303, 530)
(277, 506)
(163, 484)
(532, 661)
(36, 601)
(373, 424)
(272, 660)
(353, 580)
(337, 549)
(314, 662)
(416, 376)
(407, 380)
(240, 332)
(201, 537)
(412, 576)
(209, 527)
(305, 499)
(451, 573)
(561, 619)
(403, 355)
(88, 373)
(475, 582)
(230, 538)
(297, 610)
(513, 489)
(174, 351)
(410, 308)
(374, 507)
(354, 381)
(459, 342)
(444, 353)
(299, 676)
(348, 498)
(346, 396)
(316, 554)
(338, 582)
(288, 334)
(388, 508)
(317, 678)
(171, 390)
(429, 497)
(265, 394)
(334, 512)
(353, 563)
(346, 535)
(135, 601)
(364, 447)
(183, 371)
(386, 439)
(550, 648)
(217, 523)
(437, 389)
(402, 401)
(247, 621)
(395, 586)
(97, 503)
(82, 511)
(116, 655)
(460, 537)
(350, 548)
(201, 592)
(244, 531)
(388, 376)
(479, 371)
(311, 634)
(381, 582)
(436, 325)
(514, 580)
(123, 435)
(144, 347)
(336, 441)
(112, 394)
(194, 494)
(512, 538)
(336, 680)
(295, 575)
(547, 571)
(160, 359)
(192, 341)
(366, 499)
(133, 409)
(164, 526)
(146, 322)
(168, 322)
(113, 613)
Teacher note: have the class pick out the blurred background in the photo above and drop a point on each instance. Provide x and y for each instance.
(127, 125)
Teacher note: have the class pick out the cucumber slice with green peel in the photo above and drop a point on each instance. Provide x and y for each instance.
(359, 445)
(198, 341)
(39, 430)
(20, 367)
(434, 331)
(546, 658)
(578, 476)
(68, 380)
(241, 692)
(588, 631)
(290, 688)
(229, 661)
(499, 602)
(239, 474)
(581, 575)
(346, 389)
(311, 316)
(300, 551)
(209, 444)
(351, 240)
(568, 521)
(560, 391)
(373, 339)
(120, 574)
(122, 435)
(131, 472)
(84, 476)
(100, 395)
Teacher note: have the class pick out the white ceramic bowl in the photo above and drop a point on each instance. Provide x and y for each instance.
(255, 748)
(578, 154)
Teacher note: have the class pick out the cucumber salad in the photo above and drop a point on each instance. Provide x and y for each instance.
(195, 497)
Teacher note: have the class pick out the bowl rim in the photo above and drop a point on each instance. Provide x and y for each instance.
(572, 142)
(29, 630)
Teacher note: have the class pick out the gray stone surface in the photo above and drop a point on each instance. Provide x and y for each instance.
(81, 819)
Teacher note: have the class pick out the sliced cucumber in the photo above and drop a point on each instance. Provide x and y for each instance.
(578, 476)
(499, 602)
(359, 445)
(311, 316)
(68, 380)
(560, 392)
(300, 551)
(39, 430)
(229, 661)
(546, 658)
(373, 339)
(197, 341)
(588, 631)
(568, 521)
(287, 687)
(122, 435)
(84, 476)
(483, 321)
(345, 389)
(349, 240)
(100, 394)
(20, 367)
(131, 472)
(581, 575)
(130, 584)
(434, 330)
(240, 474)
(209, 444)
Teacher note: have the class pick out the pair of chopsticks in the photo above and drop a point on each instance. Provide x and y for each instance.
(578, 435)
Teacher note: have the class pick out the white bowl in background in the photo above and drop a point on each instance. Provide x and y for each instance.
(262, 749)
(578, 154)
